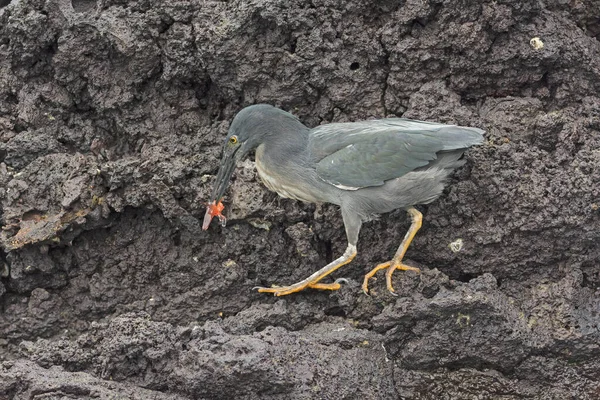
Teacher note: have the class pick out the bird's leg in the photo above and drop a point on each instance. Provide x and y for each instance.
(396, 262)
(313, 280)
(352, 223)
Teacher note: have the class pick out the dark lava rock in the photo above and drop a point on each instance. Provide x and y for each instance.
(111, 120)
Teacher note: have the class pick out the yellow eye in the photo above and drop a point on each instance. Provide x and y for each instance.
(233, 140)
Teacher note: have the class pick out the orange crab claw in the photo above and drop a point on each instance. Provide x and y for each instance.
(213, 209)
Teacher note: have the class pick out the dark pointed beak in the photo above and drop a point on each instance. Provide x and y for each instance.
(226, 169)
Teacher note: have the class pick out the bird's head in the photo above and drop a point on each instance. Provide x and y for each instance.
(251, 127)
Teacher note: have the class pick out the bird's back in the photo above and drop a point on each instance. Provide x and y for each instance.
(368, 153)
(382, 165)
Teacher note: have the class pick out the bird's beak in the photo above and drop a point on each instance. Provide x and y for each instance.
(228, 164)
(224, 175)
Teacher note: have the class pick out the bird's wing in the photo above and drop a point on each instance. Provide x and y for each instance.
(360, 154)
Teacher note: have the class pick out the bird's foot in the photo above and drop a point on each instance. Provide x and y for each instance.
(313, 281)
(391, 267)
(297, 287)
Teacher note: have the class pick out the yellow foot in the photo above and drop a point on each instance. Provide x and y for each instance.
(388, 275)
(285, 290)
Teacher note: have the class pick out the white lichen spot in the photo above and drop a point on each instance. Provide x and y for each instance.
(536, 43)
(260, 223)
(385, 353)
(463, 320)
(229, 263)
(456, 246)
(205, 178)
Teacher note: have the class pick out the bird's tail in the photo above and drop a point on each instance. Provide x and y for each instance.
(459, 137)
(447, 160)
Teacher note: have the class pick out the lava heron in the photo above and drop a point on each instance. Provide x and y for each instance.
(367, 168)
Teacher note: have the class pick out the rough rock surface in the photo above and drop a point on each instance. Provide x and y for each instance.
(111, 119)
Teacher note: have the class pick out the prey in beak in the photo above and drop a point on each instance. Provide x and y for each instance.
(233, 151)
(213, 210)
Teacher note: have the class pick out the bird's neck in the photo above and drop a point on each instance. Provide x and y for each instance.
(282, 165)
(284, 144)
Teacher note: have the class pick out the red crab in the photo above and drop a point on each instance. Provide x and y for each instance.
(213, 209)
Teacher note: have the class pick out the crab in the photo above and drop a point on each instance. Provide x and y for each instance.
(213, 209)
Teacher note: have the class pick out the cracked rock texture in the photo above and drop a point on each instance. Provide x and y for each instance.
(111, 120)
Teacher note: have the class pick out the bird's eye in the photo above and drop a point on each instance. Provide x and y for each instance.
(233, 140)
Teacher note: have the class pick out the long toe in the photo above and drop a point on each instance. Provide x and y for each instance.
(390, 272)
(326, 286)
(371, 274)
(281, 291)
(388, 280)
(404, 267)
(285, 290)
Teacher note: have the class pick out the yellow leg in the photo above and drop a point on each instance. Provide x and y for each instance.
(313, 280)
(396, 262)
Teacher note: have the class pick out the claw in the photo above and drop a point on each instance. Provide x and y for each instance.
(261, 287)
(213, 209)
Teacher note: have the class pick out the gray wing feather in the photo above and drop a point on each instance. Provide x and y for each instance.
(360, 154)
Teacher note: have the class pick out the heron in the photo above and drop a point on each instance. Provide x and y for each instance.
(367, 168)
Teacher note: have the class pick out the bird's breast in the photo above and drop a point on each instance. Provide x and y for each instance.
(277, 180)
